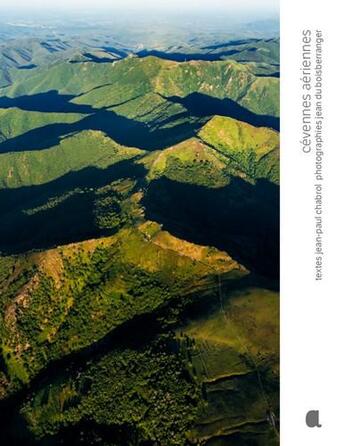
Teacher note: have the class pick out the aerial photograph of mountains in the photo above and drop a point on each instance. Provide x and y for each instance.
(139, 234)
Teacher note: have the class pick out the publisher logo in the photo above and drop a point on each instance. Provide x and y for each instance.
(312, 419)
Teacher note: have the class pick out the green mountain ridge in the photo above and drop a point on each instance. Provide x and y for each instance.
(135, 76)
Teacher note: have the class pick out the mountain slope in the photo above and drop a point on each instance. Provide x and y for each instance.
(254, 151)
(137, 271)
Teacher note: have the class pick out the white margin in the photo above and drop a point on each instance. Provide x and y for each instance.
(312, 314)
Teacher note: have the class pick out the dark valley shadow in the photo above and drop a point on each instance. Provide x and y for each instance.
(50, 102)
(275, 74)
(117, 51)
(187, 57)
(27, 67)
(241, 219)
(71, 219)
(202, 105)
(125, 131)
(231, 43)
(97, 59)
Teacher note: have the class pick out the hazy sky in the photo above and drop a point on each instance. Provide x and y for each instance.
(229, 5)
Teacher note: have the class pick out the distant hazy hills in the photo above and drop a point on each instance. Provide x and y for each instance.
(30, 53)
